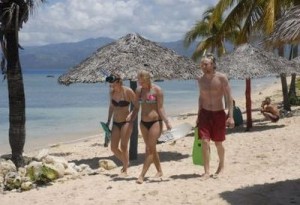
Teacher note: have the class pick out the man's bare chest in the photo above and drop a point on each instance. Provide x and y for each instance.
(213, 84)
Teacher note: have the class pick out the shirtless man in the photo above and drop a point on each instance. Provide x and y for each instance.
(211, 121)
(270, 111)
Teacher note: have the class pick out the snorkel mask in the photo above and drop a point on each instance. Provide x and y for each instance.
(112, 78)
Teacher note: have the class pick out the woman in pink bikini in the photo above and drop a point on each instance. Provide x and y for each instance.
(150, 97)
(122, 125)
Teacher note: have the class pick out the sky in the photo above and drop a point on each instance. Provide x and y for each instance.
(59, 21)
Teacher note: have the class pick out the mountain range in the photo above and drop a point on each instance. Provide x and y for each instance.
(64, 56)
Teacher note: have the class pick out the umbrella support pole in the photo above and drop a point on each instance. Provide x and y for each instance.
(248, 104)
(133, 147)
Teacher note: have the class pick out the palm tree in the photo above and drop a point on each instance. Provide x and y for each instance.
(13, 14)
(212, 40)
(255, 16)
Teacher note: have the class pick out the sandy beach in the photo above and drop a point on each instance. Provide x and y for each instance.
(261, 167)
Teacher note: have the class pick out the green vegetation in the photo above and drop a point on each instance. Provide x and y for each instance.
(298, 84)
(295, 100)
(42, 175)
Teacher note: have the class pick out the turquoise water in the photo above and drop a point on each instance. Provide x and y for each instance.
(57, 113)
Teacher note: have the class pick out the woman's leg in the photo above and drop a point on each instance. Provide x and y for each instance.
(114, 144)
(150, 138)
(155, 132)
(146, 164)
(125, 135)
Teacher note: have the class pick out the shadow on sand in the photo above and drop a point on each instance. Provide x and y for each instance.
(164, 156)
(185, 176)
(284, 192)
(258, 126)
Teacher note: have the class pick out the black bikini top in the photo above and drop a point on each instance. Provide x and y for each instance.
(121, 103)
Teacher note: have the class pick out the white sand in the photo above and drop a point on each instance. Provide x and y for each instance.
(262, 167)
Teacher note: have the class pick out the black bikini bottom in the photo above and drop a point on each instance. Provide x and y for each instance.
(148, 125)
(119, 124)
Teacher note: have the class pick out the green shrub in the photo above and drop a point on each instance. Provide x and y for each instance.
(298, 84)
(42, 175)
(294, 100)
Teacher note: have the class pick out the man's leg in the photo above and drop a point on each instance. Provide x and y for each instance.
(221, 154)
(206, 157)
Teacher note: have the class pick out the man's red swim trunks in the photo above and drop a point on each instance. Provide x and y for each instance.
(212, 125)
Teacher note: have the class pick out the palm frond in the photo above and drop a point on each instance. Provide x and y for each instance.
(269, 16)
(199, 30)
(10, 10)
(245, 13)
(220, 8)
(200, 49)
(203, 46)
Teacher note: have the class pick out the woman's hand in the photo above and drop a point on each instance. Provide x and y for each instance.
(168, 125)
(129, 117)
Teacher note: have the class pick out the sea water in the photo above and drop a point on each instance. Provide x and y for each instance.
(57, 113)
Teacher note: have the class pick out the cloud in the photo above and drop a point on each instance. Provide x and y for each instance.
(76, 20)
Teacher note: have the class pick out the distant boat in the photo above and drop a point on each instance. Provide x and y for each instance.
(159, 80)
(50, 76)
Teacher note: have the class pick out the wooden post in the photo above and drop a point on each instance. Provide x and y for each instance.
(134, 135)
(248, 104)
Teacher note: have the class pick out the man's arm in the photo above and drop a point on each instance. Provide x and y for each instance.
(199, 100)
(229, 102)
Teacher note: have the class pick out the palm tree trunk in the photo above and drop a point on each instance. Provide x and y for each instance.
(16, 97)
(286, 103)
(292, 90)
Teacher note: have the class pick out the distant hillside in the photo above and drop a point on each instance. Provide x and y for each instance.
(179, 48)
(66, 55)
(59, 56)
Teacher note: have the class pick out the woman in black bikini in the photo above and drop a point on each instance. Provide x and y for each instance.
(150, 97)
(120, 99)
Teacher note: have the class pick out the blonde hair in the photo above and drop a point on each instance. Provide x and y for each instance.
(145, 75)
(210, 57)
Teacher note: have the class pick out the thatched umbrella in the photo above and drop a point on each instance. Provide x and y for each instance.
(126, 57)
(286, 29)
(247, 62)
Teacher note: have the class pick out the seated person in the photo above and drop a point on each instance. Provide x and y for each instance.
(237, 115)
(269, 110)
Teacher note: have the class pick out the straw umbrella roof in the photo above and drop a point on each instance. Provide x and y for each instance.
(297, 60)
(287, 28)
(247, 61)
(126, 57)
